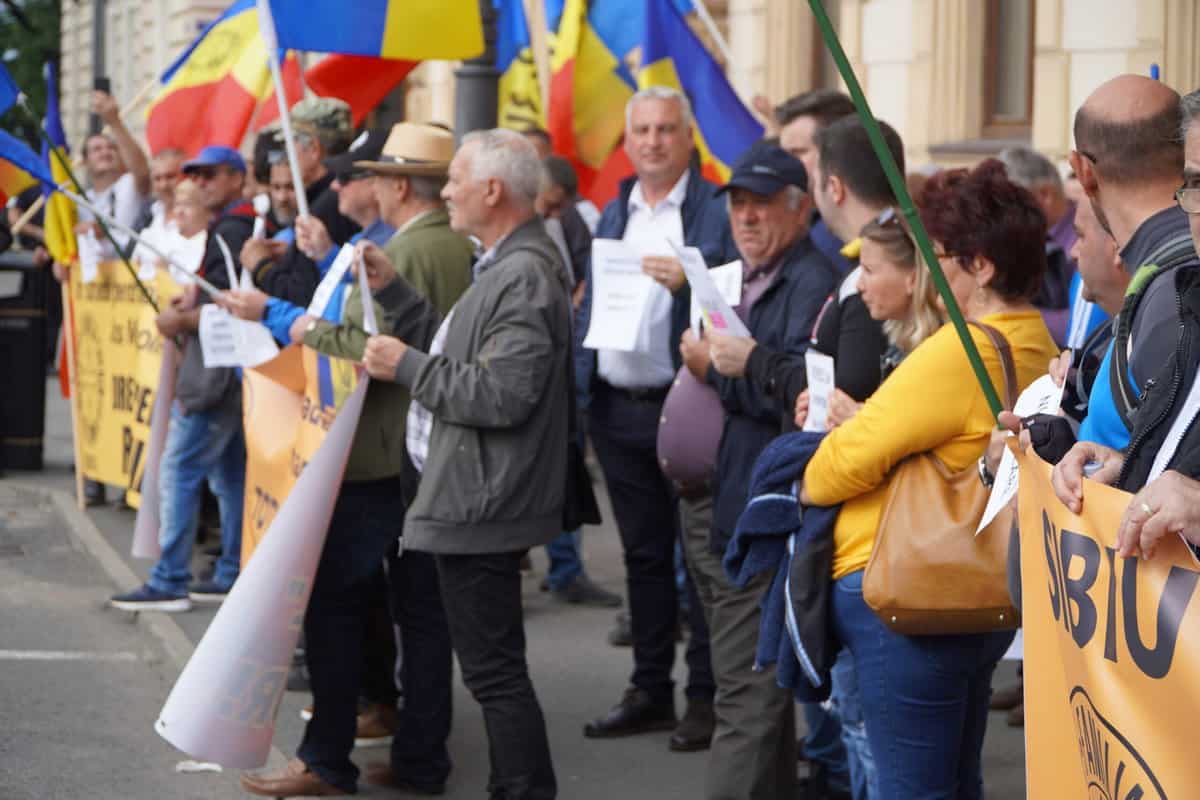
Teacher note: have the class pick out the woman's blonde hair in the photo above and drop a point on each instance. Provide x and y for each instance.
(924, 317)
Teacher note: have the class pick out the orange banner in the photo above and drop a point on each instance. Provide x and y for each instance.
(1111, 697)
(288, 405)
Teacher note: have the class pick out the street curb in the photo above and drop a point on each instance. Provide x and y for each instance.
(175, 643)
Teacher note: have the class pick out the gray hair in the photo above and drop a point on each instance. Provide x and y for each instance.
(1029, 169)
(510, 158)
(661, 93)
(794, 196)
(1189, 107)
(427, 188)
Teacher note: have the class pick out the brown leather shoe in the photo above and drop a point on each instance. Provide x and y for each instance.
(291, 780)
(1016, 717)
(695, 730)
(381, 774)
(1007, 698)
(375, 726)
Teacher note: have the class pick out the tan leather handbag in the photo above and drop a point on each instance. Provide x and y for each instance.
(929, 573)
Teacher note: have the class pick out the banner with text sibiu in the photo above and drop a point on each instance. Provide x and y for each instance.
(288, 405)
(118, 353)
(1112, 660)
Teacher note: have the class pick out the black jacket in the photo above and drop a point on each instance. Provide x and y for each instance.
(295, 276)
(781, 320)
(1165, 395)
(705, 226)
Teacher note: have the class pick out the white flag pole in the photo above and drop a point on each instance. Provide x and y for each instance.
(266, 25)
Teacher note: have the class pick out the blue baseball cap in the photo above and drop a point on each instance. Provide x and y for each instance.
(216, 155)
(766, 169)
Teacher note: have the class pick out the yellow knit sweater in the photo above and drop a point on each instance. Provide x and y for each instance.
(931, 402)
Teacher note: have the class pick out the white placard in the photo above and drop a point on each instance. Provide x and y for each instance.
(370, 325)
(90, 256)
(1042, 397)
(717, 313)
(337, 270)
(820, 390)
(728, 279)
(226, 341)
(619, 293)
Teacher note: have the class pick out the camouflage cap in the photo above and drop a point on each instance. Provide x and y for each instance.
(323, 115)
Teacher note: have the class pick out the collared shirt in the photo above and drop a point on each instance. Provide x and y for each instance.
(121, 202)
(419, 425)
(649, 232)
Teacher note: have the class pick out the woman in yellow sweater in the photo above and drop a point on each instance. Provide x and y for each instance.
(925, 698)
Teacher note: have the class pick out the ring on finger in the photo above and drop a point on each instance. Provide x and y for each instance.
(1149, 511)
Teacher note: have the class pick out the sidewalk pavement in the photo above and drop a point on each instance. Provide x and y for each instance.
(85, 728)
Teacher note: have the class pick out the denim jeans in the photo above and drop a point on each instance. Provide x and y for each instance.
(924, 700)
(566, 563)
(823, 742)
(205, 444)
(847, 707)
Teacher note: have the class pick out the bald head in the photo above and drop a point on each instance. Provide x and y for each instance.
(1129, 129)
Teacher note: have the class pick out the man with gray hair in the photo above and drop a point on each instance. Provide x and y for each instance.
(1035, 172)
(666, 201)
(488, 428)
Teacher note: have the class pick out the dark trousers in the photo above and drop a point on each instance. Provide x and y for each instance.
(624, 433)
(367, 520)
(380, 681)
(482, 595)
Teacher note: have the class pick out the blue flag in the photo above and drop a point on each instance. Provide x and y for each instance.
(21, 155)
(8, 90)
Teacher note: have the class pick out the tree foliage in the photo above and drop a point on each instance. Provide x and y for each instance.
(25, 52)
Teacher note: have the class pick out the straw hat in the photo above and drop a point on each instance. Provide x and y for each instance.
(413, 149)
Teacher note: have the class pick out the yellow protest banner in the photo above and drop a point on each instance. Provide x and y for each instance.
(288, 405)
(1112, 655)
(118, 352)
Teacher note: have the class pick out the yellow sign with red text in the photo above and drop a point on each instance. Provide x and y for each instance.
(1112, 659)
(288, 405)
(118, 352)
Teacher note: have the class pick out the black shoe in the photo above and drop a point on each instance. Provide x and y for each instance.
(582, 592)
(636, 713)
(801, 754)
(815, 786)
(93, 494)
(695, 730)
(622, 634)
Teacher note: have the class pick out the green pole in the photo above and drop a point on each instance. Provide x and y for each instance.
(907, 207)
(23, 102)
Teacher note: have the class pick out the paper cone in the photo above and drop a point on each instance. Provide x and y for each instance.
(145, 529)
(223, 706)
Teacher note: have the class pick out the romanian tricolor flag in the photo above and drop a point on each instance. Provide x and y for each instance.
(13, 181)
(673, 56)
(210, 93)
(397, 29)
(60, 218)
(361, 81)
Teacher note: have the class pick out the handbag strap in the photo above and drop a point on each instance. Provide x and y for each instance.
(1007, 365)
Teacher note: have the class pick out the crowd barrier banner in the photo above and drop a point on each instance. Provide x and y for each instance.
(1110, 684)
(288, 406)
(118, 355)
(223, 706)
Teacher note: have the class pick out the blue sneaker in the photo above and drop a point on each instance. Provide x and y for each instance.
(147, 598)
(207, 592)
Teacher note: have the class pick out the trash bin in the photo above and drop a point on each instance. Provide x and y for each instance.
(23, 290)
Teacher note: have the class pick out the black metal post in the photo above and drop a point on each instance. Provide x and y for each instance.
(477, 82)
(98, 68)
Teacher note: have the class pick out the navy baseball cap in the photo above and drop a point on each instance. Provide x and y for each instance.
(766, 169)
(216, 155)
(367, 147)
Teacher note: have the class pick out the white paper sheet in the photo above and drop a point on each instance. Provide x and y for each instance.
(226, 341)
(820, 390)
(1042, 397)
(90, 256)
(728, 279)
(337, 270)
(716, 311)
(619, 293)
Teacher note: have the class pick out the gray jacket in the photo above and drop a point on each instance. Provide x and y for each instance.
(494, 476)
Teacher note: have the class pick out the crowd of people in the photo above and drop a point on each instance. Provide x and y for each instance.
(484, 399)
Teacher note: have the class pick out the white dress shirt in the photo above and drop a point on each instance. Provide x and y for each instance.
(648, 232)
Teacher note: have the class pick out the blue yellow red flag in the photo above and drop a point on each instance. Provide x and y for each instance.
(673, 56)
(8, 90)
(21, 156)
(401, 29)
(60, 218)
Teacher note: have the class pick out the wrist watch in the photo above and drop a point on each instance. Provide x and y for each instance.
(311, 326)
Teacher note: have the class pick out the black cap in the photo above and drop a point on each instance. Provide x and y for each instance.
(367, 147)
(765, 169)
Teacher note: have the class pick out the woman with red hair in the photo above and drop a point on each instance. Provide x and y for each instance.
(925, 698)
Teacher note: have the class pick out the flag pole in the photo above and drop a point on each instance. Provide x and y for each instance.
(266, 25)
(907, 207)
(28, 214)
(69, 344)
(539, 45)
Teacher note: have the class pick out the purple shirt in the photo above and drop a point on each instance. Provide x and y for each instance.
(1063, 232)
(689, 430)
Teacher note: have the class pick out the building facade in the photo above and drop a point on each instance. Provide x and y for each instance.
(959, 79)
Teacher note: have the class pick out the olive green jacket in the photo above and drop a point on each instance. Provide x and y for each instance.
(434, 260)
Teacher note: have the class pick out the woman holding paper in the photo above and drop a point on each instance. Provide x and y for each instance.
(925, 698)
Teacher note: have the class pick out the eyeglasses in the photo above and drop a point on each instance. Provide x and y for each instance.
(1188, 198)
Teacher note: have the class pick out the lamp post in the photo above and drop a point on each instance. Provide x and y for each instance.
(477, 88)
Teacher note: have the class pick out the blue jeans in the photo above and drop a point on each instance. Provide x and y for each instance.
(566, 564)
(847, 707)
(823, 743)
(206, 444)
(924, 700)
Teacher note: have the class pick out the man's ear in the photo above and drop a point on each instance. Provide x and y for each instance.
(1085, 173)
(837, 189)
